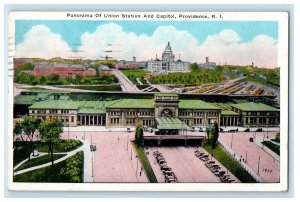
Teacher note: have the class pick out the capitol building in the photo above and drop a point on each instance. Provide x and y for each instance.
(168, 63)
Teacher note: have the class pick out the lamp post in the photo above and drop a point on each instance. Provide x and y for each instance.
(246, 157)
(68, 132)
(258, 165)
(131, 154)
(137, 161)
(127, 141)
(92, 156)
(231, 140)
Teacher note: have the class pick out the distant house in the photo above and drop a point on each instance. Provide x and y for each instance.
(64, 70)
(123, 64)
(207, 64)
(104, 68)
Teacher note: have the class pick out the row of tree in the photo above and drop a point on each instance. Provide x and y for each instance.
(30, 129)
(25, 78)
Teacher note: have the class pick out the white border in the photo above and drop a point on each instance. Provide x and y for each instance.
(281, 17)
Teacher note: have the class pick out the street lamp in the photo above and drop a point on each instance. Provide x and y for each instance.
(258, 165)
(246, 157)
(68, 132)
(231, 140)
(137, 161)
(127, 141)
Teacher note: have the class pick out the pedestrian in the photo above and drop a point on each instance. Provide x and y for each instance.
(140, 173)
(118, 138)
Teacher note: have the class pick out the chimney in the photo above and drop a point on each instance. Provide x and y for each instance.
(56, 96)
(206, 59)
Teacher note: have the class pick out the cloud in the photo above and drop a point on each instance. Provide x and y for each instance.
(40, 42)
(223, 47)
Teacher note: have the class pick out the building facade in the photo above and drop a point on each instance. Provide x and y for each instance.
(63, 70)
(163, 108)
(168, 63)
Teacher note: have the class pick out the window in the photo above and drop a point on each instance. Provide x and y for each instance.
(72, 119)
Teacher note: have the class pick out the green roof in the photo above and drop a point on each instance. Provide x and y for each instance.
(55, 104)
(92, 107)
(132, 104)
(252, 106)
(166, 94)
(165, 123)
(196, 104)
(91, 111)
(25, 99)
(42, 96)
(228, 112)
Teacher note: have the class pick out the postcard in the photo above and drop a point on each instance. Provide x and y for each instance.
(148, 101)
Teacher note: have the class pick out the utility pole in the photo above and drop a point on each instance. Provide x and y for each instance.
(258, 165)
(127, 141)
(231, 140)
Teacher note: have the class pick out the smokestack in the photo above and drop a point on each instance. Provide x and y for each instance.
(206, 59)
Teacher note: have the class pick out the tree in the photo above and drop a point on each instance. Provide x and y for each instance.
(24, 130)
(50, 131)
(214, 134)
(139, 135)
(194, 67)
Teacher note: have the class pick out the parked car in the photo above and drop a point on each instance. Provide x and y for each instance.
(247, 130)
(93, 147)
(259, 130)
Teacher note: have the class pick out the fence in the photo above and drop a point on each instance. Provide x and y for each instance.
(253, 174)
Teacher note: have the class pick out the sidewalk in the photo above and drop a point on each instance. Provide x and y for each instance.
(96, 129)
(87, 164)
(259, 141)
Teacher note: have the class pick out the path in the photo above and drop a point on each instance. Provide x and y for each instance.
(126, 84)
(69, 154)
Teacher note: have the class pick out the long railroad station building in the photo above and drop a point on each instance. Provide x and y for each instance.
(163, 112)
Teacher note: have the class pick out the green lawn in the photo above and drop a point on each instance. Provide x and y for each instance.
(146, 165)
(136, 73)
(62, 146)
(189, 78)
(226, 160)
(275, 148)
(55, 173)
(20, 152)
(97, 88)
(39, 161)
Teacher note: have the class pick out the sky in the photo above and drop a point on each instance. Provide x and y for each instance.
(230, 42)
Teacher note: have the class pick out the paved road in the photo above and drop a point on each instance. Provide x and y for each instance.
(268, 165)
(186, 166)
(111, 162)
(126, 84)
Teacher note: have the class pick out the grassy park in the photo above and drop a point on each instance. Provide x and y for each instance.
(69, 170)
(21, 154)
(97, 88)
(39, 161)
(134, 74)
